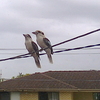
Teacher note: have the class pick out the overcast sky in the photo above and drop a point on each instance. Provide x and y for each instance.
(60, 20)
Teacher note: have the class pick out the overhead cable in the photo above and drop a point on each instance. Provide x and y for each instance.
(77, 37)
(27, 55)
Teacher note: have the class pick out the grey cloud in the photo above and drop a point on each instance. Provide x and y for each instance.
(59, 20)
(22, 16)
(59, 9)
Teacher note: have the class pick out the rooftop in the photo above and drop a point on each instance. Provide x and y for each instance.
(55, 80)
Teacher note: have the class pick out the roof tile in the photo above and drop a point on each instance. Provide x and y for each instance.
(55, 80)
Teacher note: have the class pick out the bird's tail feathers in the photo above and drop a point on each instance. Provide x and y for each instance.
(37, 62)
(50, 59)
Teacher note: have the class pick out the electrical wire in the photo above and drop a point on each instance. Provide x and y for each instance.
(28, 55)
(77, 48)
(11, 49)
(25, 50)
(60, 42)
(77, 37)
(79, 54)
(14, 53)
(57, 54)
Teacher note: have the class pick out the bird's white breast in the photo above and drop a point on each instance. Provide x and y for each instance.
(41, 42)
(29, 46)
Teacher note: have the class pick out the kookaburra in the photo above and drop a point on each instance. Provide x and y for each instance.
(44, 43)
(32, 49)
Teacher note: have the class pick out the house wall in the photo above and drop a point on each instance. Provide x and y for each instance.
(34, 96)
(28, 96)
(62, 96)
(15, 96)
(83, 96)
(66, 96)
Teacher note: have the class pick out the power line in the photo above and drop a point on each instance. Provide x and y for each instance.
(12, 49)
(7, 53)
(28, 55)
(25, 49)
(76, 37)
(60, 42)
(78, 48)
(79, 54)
(60, 54)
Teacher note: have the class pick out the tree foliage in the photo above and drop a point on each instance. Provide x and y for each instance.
(20, 75)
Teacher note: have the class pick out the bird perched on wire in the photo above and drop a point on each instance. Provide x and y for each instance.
(32, 49)
(44, 43)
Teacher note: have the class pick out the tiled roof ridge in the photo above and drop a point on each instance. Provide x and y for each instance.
(73, 71)
(58, 80)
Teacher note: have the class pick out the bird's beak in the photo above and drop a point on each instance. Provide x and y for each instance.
(33, 33)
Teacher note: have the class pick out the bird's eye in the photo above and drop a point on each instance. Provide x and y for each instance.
(29, 36)
(39, 32)
(42, 33)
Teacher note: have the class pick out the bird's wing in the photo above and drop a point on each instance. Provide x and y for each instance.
(35, 47)
(47, 42)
